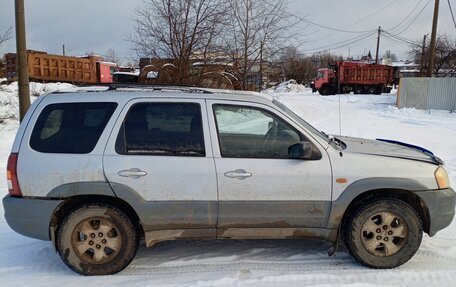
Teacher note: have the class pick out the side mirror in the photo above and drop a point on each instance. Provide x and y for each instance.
(303, 150)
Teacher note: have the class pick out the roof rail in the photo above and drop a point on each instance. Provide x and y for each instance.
(188, 89)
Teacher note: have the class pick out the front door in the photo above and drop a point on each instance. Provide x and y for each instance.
(259, 185)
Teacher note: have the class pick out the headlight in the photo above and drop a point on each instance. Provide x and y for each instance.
(441, 176)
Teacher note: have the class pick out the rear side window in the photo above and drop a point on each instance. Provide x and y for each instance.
(70, 127)
(173, 129)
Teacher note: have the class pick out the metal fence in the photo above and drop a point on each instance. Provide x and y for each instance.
(427, 93)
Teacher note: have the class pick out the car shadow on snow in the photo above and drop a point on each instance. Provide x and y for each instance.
(230, 255)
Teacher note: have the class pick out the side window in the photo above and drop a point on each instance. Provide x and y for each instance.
(112, 70)
(70, 127)
(173, 129)
(250, 132)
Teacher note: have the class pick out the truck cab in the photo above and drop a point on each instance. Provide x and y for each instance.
(105, 71)
(323, 81)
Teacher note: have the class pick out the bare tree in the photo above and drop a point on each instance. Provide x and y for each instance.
(296, 66)
(445, 55)
(176, 29)
(111, 56)
(6, 36)
(389, 55)
(3, 38)
(257, 31)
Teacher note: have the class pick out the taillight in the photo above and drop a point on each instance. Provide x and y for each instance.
(11, 176)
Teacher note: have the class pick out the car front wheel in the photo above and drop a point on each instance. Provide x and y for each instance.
(384, 233)
(97, 239)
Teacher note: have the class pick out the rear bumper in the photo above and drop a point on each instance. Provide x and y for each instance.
(29, 216)
(441, 206)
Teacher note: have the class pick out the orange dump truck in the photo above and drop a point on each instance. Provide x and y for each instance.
(360, 78)
(44, 67)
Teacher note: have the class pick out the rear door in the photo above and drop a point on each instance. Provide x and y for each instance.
(259, 185)
(159, 159)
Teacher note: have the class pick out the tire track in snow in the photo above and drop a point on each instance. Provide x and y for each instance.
(343, 262)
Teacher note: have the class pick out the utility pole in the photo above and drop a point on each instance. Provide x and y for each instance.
(63, 49)
(433, 37)
(21, 51)
(378, 44)
(422, 56)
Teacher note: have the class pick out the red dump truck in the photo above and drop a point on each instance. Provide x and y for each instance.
(44, 67)
(360, 78)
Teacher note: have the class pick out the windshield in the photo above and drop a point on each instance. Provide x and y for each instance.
(320, 75)
(302, 122)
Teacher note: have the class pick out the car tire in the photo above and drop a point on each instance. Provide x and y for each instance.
(384, 233)
(97, 239)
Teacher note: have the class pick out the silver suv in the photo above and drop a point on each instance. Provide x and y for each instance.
(97, 171)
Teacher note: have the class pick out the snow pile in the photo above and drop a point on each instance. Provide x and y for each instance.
(290, 86)
(9, 102)
(37, 89)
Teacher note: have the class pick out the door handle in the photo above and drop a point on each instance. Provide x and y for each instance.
(132, 172)
(238, 174)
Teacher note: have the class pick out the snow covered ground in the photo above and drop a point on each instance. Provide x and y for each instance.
(29, 262)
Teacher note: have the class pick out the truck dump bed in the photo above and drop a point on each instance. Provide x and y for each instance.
(365, 74)
(52, 68)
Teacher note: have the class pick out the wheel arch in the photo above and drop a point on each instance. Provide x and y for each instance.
(364, 190)
(73, 202)
(406, 196)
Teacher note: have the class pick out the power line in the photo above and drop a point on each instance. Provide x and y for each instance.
(360, 20)
(302, 19)
(398, 38)
(341, 44)
(399, 42)
(337, 43)
(373, 13)
(325, 27)
(403, 20)
(451, 11)
(414, 19)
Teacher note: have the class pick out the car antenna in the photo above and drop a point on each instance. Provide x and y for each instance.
(340, 117)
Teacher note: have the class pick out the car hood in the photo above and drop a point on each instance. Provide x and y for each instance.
(389, 148)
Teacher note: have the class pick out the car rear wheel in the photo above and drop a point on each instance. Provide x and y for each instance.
(384, 233)
(97, 240)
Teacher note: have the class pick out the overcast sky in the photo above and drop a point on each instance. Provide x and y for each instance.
(96, 26)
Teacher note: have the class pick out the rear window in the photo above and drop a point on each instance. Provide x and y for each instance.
(70, 127)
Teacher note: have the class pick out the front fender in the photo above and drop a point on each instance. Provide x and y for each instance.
(366, 186)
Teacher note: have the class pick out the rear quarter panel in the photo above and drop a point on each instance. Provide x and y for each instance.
(39, 173)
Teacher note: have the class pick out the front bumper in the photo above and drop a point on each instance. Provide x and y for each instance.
(30, 216)
(441, 206)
